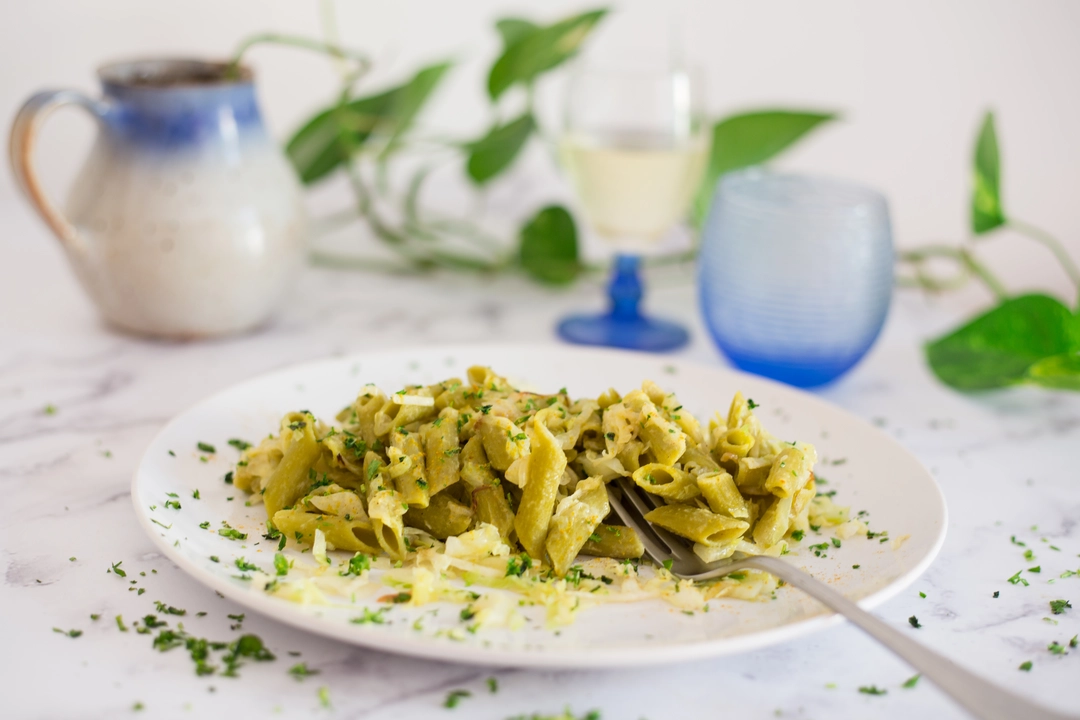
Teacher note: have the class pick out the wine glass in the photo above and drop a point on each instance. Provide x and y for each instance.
(635, 148)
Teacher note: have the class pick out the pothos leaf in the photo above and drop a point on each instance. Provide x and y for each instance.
(986, 211)
(1057, 371)
(515, 29)
(494, 152)
(325, 141)
(1005, 346)
(549, 248)
(750, 139)
(539, 51)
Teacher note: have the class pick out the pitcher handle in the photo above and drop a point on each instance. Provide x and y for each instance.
(24, 132)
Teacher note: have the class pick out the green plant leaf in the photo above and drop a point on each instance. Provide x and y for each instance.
(986, 212)
(494, 152)
(750, 139)
(515, 29)
(541, 50)
(1057, 371)
(549, 247)
(325, 141)
(998, 347)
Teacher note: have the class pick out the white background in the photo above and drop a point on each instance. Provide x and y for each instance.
(910, 78)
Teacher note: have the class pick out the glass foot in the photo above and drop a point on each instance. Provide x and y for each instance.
(637, 333)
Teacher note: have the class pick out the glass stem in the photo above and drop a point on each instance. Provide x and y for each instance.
(626, 288)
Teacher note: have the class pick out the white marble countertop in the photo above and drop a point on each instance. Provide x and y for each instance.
(1005, 462)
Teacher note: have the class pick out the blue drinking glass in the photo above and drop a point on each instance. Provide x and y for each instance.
(795, 274)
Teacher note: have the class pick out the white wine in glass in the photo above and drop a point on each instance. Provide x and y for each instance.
(633, 186)
(635, 149)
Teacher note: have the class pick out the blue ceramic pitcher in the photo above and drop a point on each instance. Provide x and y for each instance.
(186, 220)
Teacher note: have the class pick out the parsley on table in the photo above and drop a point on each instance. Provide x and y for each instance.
(69, 633)
(301, 671)
(1017, 580)
(911, 681)
(914, 622)
(872, 690)
(797, 535)
(1056, 648)
(751, 404)
(1059, 606)
(493, 684)
(281, 564)
(1025, 666)
(206, 447)
(455, 697)
(239, 444)
(922, 595)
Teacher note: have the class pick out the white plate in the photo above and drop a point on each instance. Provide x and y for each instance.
(868, 470)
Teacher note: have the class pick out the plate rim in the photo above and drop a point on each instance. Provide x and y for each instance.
(577, 658)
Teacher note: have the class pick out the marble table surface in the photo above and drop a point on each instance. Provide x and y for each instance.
(1006, 462)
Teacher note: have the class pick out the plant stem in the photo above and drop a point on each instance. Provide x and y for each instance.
(1053, 244)
(363, 64)
(968, 264)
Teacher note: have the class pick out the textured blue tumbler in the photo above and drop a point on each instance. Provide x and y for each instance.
(796, 274)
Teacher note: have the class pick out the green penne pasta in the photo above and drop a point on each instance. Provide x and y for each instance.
(406, 465)
(444, 516)
(666, 481)
(613, 541)
(385, 507)
(574, 521)
(353, 535)
(723, 495)
(491, 506)
(774, 522)
(546, 466)
(476, 471)
(698, 524)
(504, 442)
(442, 451)
(289, 481)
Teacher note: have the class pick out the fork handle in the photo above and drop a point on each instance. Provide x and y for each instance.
(983, 699)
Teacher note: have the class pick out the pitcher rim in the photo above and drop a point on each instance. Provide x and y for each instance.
(130, 74)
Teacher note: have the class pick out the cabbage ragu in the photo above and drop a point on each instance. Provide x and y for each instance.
(477, 481)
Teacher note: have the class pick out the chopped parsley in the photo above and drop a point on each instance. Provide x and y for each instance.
(872, 690)
(455, 697)
(797, 535)
(1059, 606)
(301, 671)
(667, 564)
(485, 409)
(1055, 648)
(69, 633)
(244, 566)
(116, 569)
(240, 445)
(836, 542)
(751, 404)
(281, 564)
(914, 622)
(911, 681)
(168, 609)
(595, 538)
(1025, 666)
(493, 685)
(206, 448)
(172, 504)
(1017, 580)
(516, 566)
(358, 563)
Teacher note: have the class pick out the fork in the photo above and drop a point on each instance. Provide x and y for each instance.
(983, 699)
